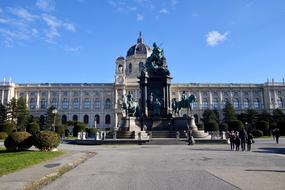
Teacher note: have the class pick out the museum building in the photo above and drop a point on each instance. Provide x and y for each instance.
(101, 102)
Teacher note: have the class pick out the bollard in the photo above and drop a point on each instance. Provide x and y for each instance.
(177, 135)
(140, 138)
(115, 135)
(150, 136)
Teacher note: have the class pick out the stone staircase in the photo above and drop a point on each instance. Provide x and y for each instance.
(167, 134)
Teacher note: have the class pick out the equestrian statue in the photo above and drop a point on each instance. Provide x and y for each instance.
(129, 105)
(185, 102)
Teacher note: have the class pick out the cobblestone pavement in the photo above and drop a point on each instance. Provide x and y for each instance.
(177, 167)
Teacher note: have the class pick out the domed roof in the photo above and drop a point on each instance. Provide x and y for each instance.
(120, 58)
(139, 48)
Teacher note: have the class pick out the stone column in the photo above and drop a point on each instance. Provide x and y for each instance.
(38, 100)
(48, 100)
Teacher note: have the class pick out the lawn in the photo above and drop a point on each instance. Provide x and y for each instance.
(12, 161)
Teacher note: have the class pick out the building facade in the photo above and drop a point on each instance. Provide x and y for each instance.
(100, 102)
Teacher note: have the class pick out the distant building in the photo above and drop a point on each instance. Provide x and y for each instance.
(87, 102)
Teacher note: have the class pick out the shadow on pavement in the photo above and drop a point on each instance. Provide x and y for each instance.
(214, 149)
(271, 150)
(281, 171)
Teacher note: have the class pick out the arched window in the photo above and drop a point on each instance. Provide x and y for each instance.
(256, 103)
(54, 102)
(130, 68)
(75, 118)
(87, 103)
(65, 103)
(86, 119)
(97, 103)
(236, 103)
(75, 103)
(279, 102)
(205, 103)
(43, 103)
(245, 103)
(63, 119)
(107, 119)
(141, 66)
(120, 68)
(32, 103)
(215, 103)
(97, 119)
(108, 104)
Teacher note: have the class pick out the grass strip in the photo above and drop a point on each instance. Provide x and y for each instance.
(13, 161)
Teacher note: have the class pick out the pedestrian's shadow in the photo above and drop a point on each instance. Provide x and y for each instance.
(208, 149)
(275, 150)
(280, 171)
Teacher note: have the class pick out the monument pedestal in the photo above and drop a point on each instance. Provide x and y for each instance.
(196, 132)
(133, 124)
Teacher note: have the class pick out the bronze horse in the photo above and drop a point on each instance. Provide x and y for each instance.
(187, 103)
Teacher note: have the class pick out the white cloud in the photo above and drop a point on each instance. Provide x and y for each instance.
(71, 49)
(163, 11)
(140, 17)
(46, 5)
(69, 27)
(214, 38)
(23, 13)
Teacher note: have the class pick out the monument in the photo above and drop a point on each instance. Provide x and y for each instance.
(156, 111)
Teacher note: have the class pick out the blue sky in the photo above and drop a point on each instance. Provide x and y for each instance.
(205, 41)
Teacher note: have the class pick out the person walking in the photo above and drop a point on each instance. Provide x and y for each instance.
(190, 136)
(277, 135)
(243, 138)
(249, 141)
(237, 142)
(232, 137)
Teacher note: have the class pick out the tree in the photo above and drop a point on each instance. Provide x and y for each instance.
(235, 125)
(52, 119)
(22, 114)
(3, 114)
(12, 109)
(78, 127)
(278, 115)
(252, 116)
(265, 116)
(229, 112)
(263, 126)
(209, 115)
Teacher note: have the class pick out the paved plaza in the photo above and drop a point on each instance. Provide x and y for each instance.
(164, 167)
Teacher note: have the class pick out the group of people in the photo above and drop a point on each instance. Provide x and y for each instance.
(241, 139)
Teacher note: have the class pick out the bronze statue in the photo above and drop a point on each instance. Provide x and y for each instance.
(156, 63)
(129, 105)
(185, 102)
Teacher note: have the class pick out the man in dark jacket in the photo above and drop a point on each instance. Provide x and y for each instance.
(243, 139)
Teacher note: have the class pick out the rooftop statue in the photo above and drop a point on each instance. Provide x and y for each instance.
(156, 63)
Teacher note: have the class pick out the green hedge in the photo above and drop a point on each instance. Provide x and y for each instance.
(257, 133)
(212, 126)
(263, 126)
(18, 141)
(47, 140)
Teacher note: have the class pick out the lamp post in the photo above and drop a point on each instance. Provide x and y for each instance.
(54, 112)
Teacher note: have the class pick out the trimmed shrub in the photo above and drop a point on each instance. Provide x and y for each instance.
(272, 126)
(66, 133)
(224, 127)
(92, 131)
(47, 140)
(3, 135)
(33, 128)
(235, 125)
(78, 127)
(257, 133)
(9, 128)
(263, 126)
(18, 141)
(212, 126)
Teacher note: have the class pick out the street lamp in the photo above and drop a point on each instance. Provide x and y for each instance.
(54, 112)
